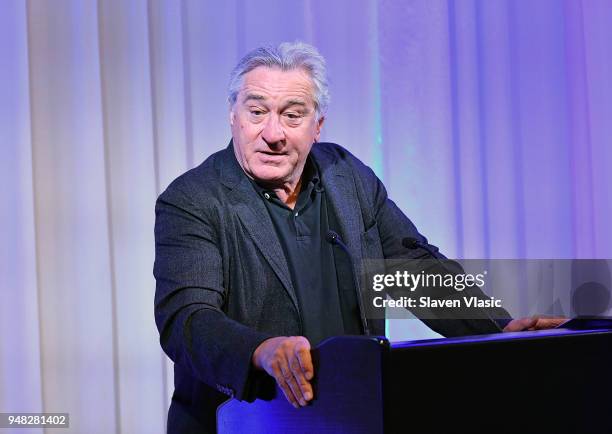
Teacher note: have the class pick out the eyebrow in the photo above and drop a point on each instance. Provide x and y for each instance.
(254, 96)
(291, 102)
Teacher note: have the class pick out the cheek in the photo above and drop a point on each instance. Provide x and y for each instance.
(305, 144)
(248, 130)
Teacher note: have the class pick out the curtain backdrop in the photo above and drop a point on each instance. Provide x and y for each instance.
(490, 123)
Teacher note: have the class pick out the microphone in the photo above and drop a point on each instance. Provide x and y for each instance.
(334, 239)
(413, 244)
(410, 243)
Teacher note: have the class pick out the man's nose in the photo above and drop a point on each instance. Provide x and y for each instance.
(273, 131)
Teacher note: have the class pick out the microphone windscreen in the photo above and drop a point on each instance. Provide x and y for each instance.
(410, 243)
(331, 237)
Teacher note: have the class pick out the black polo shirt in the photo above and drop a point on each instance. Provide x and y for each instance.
(301, 232)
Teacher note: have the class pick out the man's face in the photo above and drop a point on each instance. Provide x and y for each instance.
(274, 125)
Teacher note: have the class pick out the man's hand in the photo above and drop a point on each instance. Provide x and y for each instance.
(288, 360)
(533, 323)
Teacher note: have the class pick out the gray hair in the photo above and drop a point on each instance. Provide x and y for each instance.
(287, 56)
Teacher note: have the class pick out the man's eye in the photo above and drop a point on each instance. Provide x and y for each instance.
(293, 115)
(257, 112)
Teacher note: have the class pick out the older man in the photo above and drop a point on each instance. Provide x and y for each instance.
(246, 279)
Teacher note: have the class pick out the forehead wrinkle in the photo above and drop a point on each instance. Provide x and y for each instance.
(263, 81)
(293, 100)
(295, 95)
(278, 90)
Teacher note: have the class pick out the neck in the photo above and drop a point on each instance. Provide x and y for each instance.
(289, 193)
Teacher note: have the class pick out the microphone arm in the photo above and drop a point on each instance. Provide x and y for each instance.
(334, 239)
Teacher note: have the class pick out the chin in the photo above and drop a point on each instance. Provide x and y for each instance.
(269, 174)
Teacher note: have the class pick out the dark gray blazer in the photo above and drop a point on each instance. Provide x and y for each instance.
(223, 285)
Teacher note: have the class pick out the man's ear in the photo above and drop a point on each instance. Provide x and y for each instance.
(318, 127)
(231, 116)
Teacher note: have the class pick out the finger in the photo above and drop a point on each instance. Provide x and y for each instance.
(290, 380)
(280, 380)
(302, 351)
(298, 373)
(548, 323)
(517, 325)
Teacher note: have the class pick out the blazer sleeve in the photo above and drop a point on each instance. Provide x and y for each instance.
(393, 226)
(190, 293)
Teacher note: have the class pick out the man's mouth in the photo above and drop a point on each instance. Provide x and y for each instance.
(273, 153)
(272, 156)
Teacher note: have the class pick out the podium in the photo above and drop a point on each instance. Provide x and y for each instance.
(557, 381)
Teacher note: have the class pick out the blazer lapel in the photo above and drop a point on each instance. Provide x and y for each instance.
(343, 198)
(340, 189)
(253, 214)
